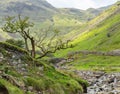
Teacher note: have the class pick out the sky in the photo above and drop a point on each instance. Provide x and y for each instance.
(81, 4)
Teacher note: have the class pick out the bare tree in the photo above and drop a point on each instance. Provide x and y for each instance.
(21, 26)
(52, 44)
(44, 42)
(18, 25)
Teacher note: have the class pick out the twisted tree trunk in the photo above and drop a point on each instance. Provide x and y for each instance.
(33, 47)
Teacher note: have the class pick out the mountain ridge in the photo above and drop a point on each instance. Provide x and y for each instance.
(38, 7)
(41, 12)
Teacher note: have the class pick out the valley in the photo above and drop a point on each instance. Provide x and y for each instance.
(43, 15)
(59, 50)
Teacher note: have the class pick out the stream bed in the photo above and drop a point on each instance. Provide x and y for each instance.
(101, 82)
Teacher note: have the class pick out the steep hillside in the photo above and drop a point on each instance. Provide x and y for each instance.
(43, 14)
(38, 10)
(101, 35)
(83, 15)
(20, 74)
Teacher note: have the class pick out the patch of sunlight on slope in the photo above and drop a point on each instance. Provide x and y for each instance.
(104, 15)
(78, 32)
(88, 33)
(96, 38)
(4, 35)
(97, 21)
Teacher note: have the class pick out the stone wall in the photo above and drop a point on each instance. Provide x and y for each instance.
(86, 52)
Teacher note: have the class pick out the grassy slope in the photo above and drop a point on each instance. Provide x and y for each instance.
(66, 20)
(63, 23)
(43, 77)
(104, 35)
(11, 89)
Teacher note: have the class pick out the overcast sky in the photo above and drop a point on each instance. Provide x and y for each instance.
(81, 4)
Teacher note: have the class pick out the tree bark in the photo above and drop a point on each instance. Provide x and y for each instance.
(26, 44)
(33, 47)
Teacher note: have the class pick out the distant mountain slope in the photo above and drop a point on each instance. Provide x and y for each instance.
(83, 15)
(40, 10)
(104, 32)
(101, 33)
(98, 46)
(43, 14)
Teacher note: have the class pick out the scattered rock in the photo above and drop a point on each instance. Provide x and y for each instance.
(56, 60)
(30, 88)
(1, 57)
(100, 82)
(41, 68)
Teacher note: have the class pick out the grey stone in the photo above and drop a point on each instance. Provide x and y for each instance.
(19, 61)
(56, 60)
(41, 68)
(23, 69)
(13, 56)
(30, 88)
(1, 57)
(106, 83)
(14, 62)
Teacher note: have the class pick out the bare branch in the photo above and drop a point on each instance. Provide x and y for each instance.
(52, 49)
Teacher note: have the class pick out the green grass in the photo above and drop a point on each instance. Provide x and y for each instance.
(97, 38)
(103, 36)
(11, 88)
(47, 80)
(6, 45)
(93, 62)
(53, 80)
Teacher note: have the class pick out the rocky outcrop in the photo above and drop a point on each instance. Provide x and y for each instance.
(14, 57)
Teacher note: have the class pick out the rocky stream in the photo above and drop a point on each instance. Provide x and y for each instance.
(101, 82)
